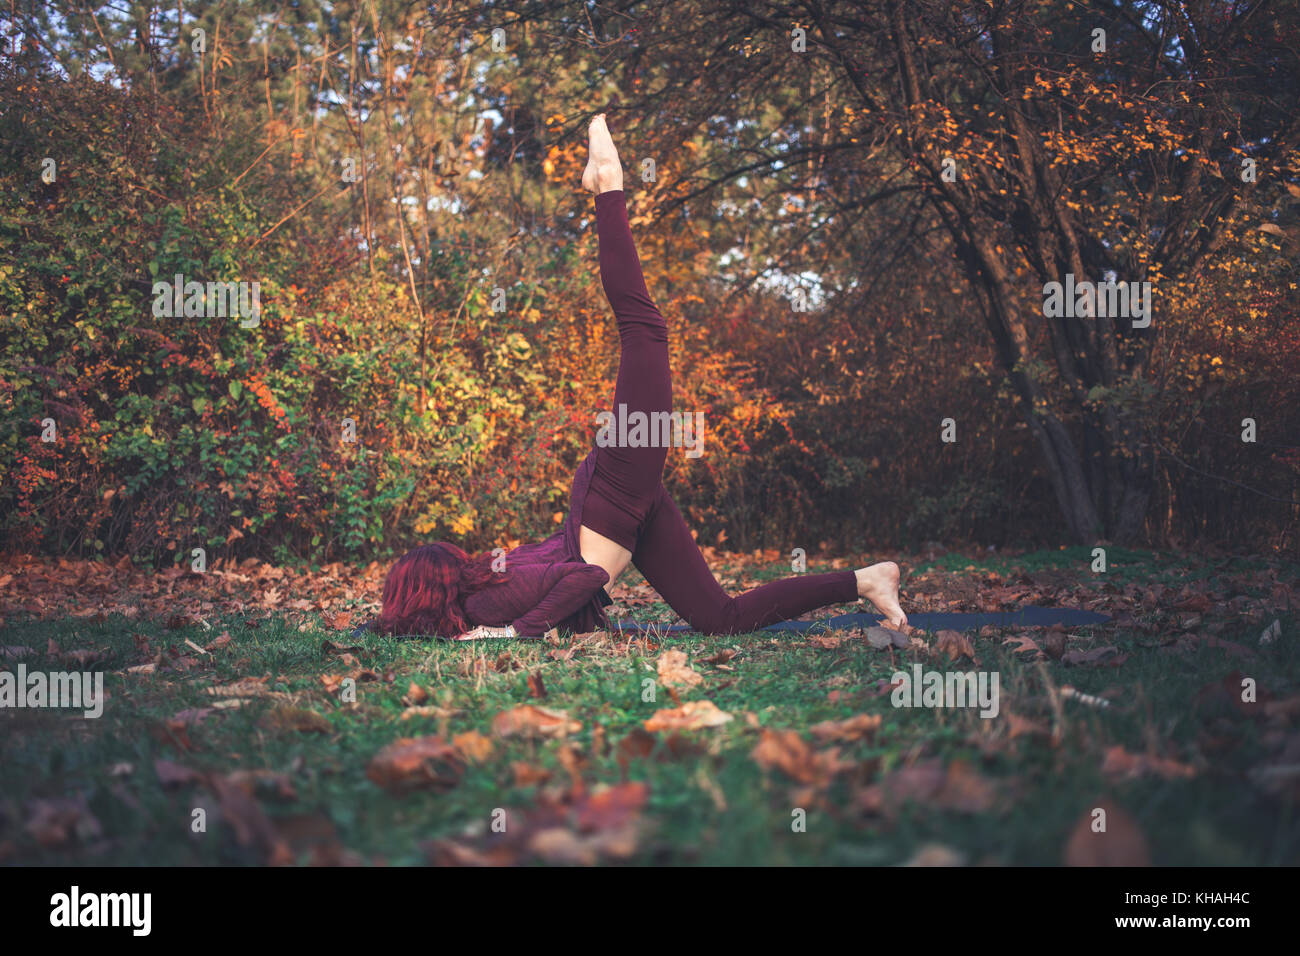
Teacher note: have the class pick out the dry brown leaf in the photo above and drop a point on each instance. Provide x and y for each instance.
(173, 774)
(958, 787)
(675, 670)
(250, 824)
(475, 746)
(1018, 726)
(244, 687)
(859, 727)
(428, 710)
(526, 774)
(786, 751)
(339, 620)
(410, 763)
(415, 695)
(1018, 643)
(640, 744)
(221, 640)
(1119, 764)
(936, 854)
(332, 682)
(297, 719)
(58, 820)
(330, 649)
(694, 715)
(954, 645)
(882, 638)
(1095, 657)
(1120, 844)
(529, 720)
(824, 641)
(722, 657)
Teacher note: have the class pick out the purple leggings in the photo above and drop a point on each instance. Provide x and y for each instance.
(627, 502)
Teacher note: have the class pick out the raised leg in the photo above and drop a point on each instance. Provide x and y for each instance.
(625, 477)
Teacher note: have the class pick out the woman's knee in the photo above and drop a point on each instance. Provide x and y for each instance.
(717, 618)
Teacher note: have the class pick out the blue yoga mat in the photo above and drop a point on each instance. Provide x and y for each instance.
(937, 621)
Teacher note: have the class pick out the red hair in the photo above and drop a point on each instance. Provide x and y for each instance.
(425, 590)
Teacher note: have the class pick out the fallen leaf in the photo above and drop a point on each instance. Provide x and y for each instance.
(221, 640)
(526, 775)
(640, 744)
(722, 657)
(1018, 726)
(786, 751)
(249, 823)
(475, 746)
(853, 728)
(883, 637)
(58, 820)
(675, 670)
(936, 854)
(826, 642)
(339, 620)
(415, 695)
(1019, 643)
(1196, 602)
(330, 649)
(957, 787)
(412, 763)
(694, 715)
(244, 687)
(269, 783)
(428, 710)
(297, 719)
(529, 720)
(1095, 657)
(1119, 764)
(954, 645)
(173, 774)
(1121, 843)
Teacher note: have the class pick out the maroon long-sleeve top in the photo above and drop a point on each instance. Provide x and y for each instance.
(548, 584)
(537, 597)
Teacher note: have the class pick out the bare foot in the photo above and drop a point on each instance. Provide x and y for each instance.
(879, 585)
(604, 172)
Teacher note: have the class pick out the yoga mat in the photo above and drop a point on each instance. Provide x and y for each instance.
(936, 621)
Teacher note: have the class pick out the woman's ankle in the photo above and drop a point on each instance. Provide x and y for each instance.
(609, 177)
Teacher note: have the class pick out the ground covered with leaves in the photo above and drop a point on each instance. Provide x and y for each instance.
(242, 725)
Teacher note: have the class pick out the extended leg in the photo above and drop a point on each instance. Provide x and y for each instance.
(672, 564)
(626, 477)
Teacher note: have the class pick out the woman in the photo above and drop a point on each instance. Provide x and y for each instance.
(619, 513)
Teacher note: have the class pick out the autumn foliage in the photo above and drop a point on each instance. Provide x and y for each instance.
(429, 282)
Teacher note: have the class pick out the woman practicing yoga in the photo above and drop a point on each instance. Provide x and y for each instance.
(619, 511)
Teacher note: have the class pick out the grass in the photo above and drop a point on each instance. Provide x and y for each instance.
(710, 801)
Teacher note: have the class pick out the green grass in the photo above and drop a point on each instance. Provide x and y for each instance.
(712, 804)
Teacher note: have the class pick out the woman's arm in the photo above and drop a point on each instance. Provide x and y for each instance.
(576, 583)
(557, 592)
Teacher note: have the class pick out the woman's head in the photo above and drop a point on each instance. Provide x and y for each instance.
(426, 587)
